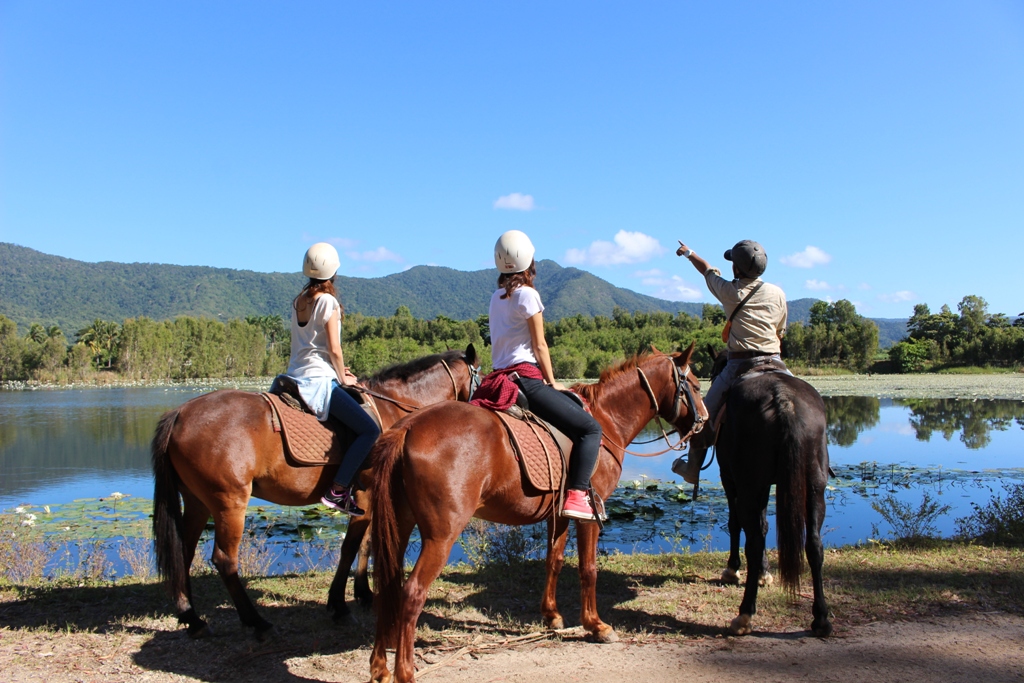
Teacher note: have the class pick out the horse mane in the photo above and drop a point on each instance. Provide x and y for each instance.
(403, 372)
(592, 392)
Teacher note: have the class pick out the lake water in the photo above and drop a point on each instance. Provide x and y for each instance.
(57, 447)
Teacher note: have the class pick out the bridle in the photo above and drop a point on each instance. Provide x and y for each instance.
(683, 388)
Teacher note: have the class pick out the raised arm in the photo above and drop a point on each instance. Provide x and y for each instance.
(700, 264)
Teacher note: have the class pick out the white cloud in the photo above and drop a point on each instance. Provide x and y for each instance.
(375, 255)
(673, 288)
(515, 202)
(654, 272)
(897, 297)
(808, 258)
(865, 286)
(817, 285)
(628, 247)
(342, 242)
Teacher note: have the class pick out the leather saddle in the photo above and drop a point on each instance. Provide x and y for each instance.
(307, 441)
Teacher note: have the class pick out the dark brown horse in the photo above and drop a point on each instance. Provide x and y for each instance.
(435, 477)
(775, 433)
(220, 449)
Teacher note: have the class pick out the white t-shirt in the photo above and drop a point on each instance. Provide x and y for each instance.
(309, 342)
(510, 336)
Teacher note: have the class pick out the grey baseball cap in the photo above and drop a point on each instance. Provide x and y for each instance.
(749, 258)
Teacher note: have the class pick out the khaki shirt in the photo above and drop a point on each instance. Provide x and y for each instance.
(761, 321)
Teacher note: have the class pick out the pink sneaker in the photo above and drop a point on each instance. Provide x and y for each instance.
(577, 506)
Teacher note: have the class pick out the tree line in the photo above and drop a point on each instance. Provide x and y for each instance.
(970, 337)
(581, 345)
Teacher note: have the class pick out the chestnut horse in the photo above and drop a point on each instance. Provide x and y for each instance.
(775, 433)
(435, 477)
(219, 449)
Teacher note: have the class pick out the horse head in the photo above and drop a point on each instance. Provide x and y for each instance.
(681, 404)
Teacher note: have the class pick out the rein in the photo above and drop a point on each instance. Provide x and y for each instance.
(682, 387)
(474, 374)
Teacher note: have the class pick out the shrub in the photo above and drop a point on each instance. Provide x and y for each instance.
(907, 523)
(997, 523)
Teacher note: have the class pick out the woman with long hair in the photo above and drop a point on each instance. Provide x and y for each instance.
(318, 367)
(522, 362)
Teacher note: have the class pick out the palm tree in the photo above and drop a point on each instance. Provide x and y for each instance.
(37, 333)
(101, 337)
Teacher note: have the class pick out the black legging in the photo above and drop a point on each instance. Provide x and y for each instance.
(576, 423)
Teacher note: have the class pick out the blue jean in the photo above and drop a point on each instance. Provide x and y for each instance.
(720, 387)
(345, 409)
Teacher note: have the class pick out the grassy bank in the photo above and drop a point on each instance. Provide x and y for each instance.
(646, 597)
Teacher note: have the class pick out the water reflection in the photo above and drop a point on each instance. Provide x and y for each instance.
(848, 416)
(974, 421)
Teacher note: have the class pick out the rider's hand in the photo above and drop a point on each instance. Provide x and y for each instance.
(682, 248)
(558, 386)
(349, 379)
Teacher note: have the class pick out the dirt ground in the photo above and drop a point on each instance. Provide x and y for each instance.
(983, 646)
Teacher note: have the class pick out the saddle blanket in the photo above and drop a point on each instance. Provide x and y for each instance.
(308, 442)
(543, 463)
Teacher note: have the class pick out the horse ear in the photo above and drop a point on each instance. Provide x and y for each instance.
(471, 354)
(653, 348)
(683, 359)
(712, 352)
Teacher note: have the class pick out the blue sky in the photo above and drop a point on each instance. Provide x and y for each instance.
(876, 149)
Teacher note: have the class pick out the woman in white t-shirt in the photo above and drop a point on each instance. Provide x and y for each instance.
(520, 352)
(318, 368)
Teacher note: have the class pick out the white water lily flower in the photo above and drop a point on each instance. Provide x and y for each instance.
(19, 510)
(30, 518)
(116, 495)
(47, 508)
(28, 522)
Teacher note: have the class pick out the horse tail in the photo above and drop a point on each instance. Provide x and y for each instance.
(170, 560)
(388, 559)
(790, 494)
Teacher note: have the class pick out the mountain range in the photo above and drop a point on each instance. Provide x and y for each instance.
(53, 290)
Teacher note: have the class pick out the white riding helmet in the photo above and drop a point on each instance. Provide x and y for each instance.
(513, 252)
(321, 262)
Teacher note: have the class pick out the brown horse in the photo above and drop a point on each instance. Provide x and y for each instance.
(435, 477)
(219, 449)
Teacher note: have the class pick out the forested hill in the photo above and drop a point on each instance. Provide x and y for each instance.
(52, 290)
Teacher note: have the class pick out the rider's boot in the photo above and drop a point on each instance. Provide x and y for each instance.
(689, 469)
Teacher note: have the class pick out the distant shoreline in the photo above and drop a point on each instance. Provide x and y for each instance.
(1002, 386)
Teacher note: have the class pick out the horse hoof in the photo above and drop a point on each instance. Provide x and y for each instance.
(822, 630)
(766, 579)
(730, 577)
(740, 626)
(606, 634)
(365, 600)
(555, 623)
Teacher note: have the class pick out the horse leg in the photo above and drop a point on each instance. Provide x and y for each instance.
(350, 547)
(754, 547)
(586, 540)
(227, 536)
(558, 534)
(766, 576)
(731, 574)
(361, 583)
(433, 556)
(821, 626)
(194, 520)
